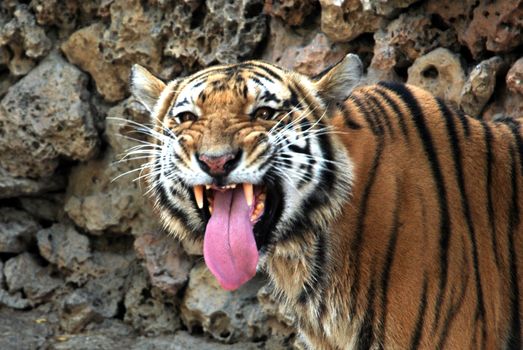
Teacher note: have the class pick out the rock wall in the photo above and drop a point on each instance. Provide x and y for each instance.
(83, 264)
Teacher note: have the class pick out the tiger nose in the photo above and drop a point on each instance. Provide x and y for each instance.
(219, 165)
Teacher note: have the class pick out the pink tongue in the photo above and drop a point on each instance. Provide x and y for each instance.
(229, 248)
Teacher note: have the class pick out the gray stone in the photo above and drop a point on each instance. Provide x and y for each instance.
(114, 201)
(404, 40)
(40, 123)
(17, 230)
(11, 186)
(97, 300)
(480, 85)
(345, 20)
(90, 342)
(23, 273)
(148, 310)
(77, 311)
(439, 72)
(229, 32)
(23, 330)
(64, 247)
(514, 77)
(387, 7)
(227, 316)
(48, 208)
(14, 301)
(24, 38)
(185, 341)
(166, 262)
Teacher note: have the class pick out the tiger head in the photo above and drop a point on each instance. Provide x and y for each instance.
(243, 155)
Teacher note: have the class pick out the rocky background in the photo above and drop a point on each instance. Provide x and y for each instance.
(83, 264)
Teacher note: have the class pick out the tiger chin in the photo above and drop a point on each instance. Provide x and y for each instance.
(383, 218)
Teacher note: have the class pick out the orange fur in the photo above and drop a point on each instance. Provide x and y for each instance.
(426, 251)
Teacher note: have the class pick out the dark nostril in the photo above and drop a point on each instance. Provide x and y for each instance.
(219, 165)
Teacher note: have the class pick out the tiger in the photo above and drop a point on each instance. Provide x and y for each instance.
(382, 216)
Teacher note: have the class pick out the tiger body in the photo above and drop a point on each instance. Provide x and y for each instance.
(395, 222)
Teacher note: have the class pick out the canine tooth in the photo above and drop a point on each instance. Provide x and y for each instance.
(232, 185)
(207, 187)
(198, 195)
(248, 191)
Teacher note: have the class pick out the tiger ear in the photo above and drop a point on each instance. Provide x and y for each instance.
(336, 84)
(145, 87)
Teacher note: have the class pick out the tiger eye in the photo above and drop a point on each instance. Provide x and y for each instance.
(264, 113)
(186, 117)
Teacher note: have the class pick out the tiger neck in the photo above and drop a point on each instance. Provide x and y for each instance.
(302, 269)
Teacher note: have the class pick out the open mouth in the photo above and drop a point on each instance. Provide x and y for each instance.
(255, 197)
(229, 246)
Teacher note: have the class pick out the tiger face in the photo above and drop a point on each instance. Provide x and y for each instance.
(240, 155)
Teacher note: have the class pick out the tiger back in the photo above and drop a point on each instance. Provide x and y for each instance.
(383, 218)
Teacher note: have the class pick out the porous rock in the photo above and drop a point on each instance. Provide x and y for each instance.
(405, 39)
(514, 77)
(292, 12)
(108, 52)
(11, 186)
(19, 330)
(148, 310)
(185, 341)
(63, 246)
(100, 298)
(316, 56)
(48, 208)
(483, 25)
(345, 20)
(24, 273)
(17, 230)
(479, 86)
(283, 39)
(439, 72)
(218, 31)
(24, 38)
(39, 123)
(166, 262)
(114, 201)
(227, 316)
(387, 7)
(83, 48)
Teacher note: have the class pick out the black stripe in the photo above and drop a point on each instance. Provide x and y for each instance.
(315, 282)
(464, 122)
(165, 203)
(515, 128)
(426, 138)
(314, 201)
(349, 123)
(454, 309)
(360, 224)
(257, 81)
(375, 128)
(420, 319)
(366, 333)
(514, 336)
(488, 189)
(391, 103)
(460, 179)
(259, 75)
(382, 113)
(264, 68)
(387, 267)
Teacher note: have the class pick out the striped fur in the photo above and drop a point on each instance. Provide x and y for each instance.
(399, 219)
